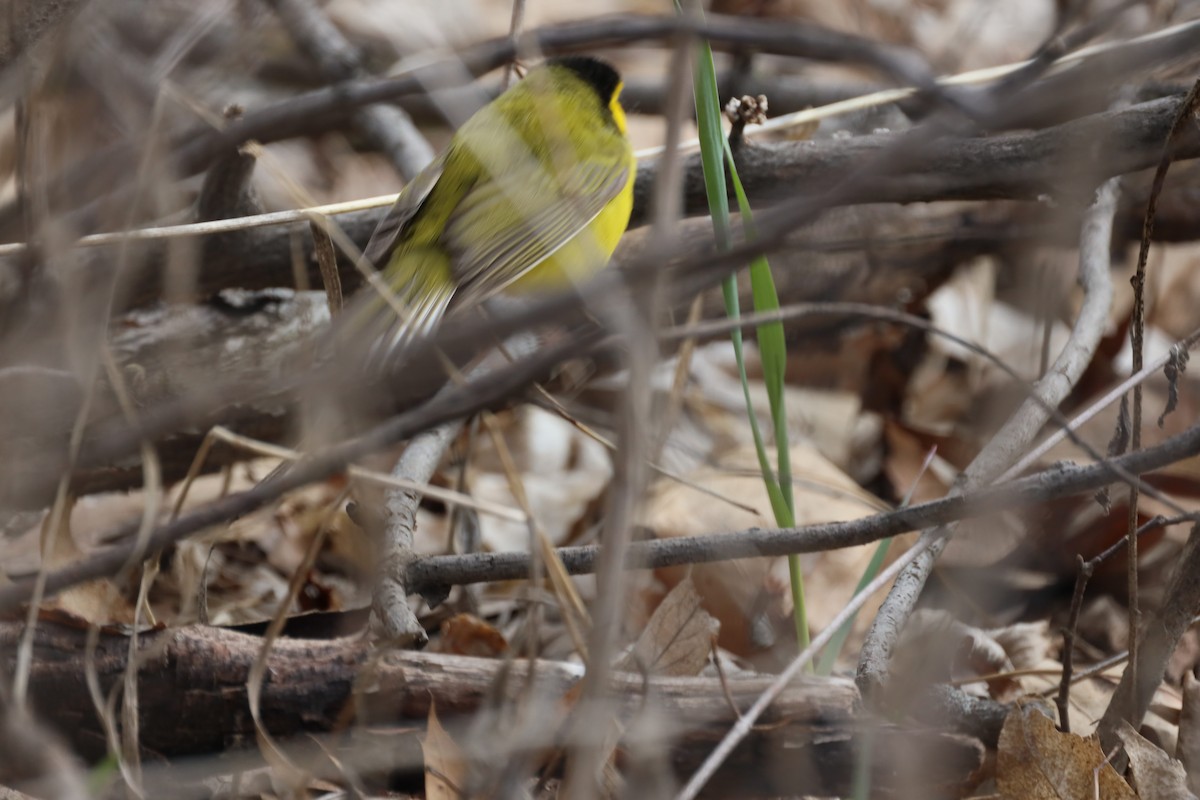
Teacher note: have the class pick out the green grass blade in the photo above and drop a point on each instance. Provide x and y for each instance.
(772, 345)
(832, 650)
(715, 158)
(829, 655)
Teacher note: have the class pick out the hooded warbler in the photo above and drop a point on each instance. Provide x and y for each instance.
(532, 194)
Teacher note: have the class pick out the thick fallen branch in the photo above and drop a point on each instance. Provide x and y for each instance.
(168, 353)
(199, 675)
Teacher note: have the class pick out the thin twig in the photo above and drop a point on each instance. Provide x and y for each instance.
(391, 616)
(435, 572)
(258, 670)
(515, 24)
(1063, 700)
(1136, 340)
(1086, 570)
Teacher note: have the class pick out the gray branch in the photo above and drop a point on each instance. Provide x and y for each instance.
(1006, 446)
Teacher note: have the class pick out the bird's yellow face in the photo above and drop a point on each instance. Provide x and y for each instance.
(614, 105)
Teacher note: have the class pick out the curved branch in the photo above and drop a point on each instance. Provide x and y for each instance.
(1006, 446)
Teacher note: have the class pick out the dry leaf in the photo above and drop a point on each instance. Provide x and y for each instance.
(445, 765)
(905, 465)
(1175, 290)
(562, 471)
(751, 597)
(832, 420)
(678, 638)
(468, 635)
(97, 601)
(938, 397)
(1035, 761)
(1155, 775)
(935, 646)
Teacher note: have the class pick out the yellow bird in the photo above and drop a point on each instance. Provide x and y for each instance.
(531, 195)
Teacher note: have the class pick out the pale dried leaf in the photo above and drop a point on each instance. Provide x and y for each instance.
(445, 764)
(1027, 644)
(678, 638)
(1036, 761)
(96, 601)
(751, 597)
(562, 471)
(936, 646)
(980, 33)
(1175, 292)
(832, 420)
(937, 398)
(1155, 775)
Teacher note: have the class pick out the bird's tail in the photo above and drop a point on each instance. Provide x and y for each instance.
(407, 303)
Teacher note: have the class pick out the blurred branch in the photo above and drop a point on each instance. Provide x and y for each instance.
(386, 127)
(1089, 83)
(168, 353)
(31, 756)
(490, 391)
(194, 149)
(24, 22)
(1014, 437)
(299, 115)
(170, 349)
(651, 96)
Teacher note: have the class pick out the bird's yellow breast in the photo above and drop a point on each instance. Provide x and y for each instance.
(590, 250)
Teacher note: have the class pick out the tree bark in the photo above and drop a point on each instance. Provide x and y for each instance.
(192, 699)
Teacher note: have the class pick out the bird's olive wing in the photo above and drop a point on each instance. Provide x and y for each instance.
(506, 226)
(391, 227)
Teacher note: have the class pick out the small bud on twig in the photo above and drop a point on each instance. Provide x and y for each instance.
(742, 111)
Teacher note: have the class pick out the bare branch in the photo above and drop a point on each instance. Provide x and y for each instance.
(1006, 446)
(388, 129)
